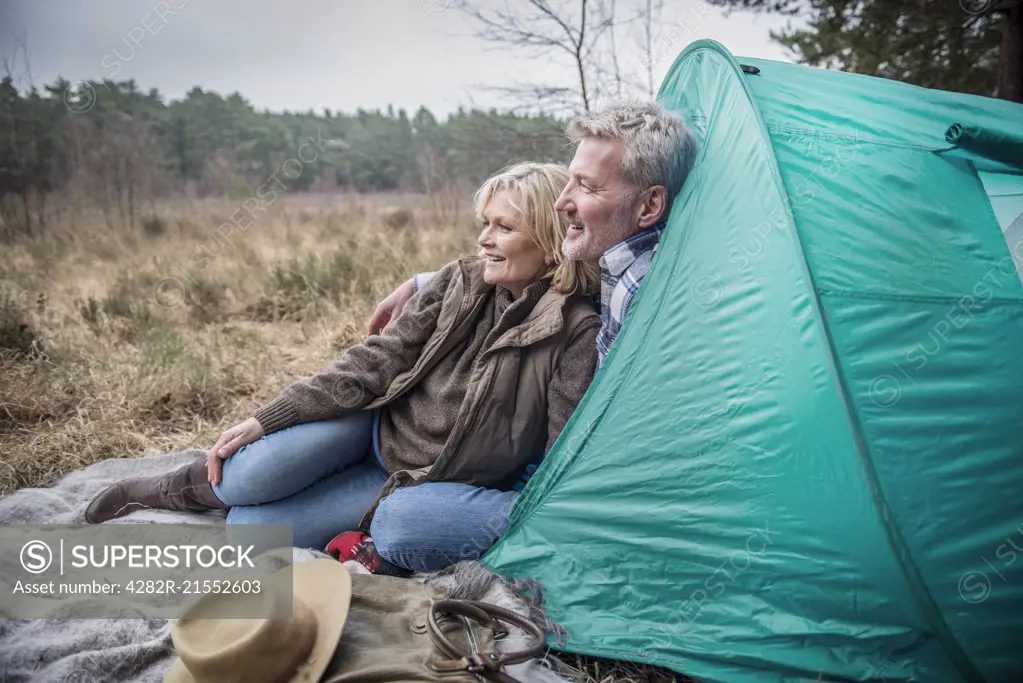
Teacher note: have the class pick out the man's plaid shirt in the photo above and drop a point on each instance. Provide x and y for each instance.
(622, 268)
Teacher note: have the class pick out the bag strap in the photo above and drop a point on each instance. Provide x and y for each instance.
(486, 665)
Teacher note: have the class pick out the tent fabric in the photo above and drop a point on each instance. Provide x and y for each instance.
(801, 460)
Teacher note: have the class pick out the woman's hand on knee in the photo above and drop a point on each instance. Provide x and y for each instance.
(229, 443)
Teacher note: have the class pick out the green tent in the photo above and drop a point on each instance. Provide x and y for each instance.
(803, 459)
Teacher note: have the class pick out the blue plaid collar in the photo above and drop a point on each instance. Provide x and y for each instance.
(618, 258)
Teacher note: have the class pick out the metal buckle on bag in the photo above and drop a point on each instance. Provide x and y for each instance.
(486, 665)
(418, 624)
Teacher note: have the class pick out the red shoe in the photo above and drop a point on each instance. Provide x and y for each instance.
(355, 545)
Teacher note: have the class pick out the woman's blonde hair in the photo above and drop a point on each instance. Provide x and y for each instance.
(537, 187)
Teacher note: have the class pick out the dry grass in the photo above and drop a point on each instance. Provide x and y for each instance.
(116, 345)
(124, 344)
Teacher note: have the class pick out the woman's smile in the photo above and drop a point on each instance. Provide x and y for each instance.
(514, 259)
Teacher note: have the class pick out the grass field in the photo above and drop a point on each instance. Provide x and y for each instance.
(117, 344)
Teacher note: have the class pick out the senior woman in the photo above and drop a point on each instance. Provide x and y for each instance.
(458, 396)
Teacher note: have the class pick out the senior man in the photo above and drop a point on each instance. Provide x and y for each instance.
(630, 163)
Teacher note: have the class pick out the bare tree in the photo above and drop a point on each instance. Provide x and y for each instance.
(587, 35)
(541, 28)
(649, 21)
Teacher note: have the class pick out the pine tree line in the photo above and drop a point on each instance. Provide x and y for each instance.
(117, 147)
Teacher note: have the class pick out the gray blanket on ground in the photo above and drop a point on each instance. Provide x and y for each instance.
(113, 650)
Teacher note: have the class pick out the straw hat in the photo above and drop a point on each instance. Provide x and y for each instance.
(293, 650)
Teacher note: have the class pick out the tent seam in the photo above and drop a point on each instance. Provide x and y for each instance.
(809, 132)
(913, 298)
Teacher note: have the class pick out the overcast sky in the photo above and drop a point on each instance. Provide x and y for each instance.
(302, 54)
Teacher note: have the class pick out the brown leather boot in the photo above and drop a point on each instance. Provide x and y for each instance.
(186, 488)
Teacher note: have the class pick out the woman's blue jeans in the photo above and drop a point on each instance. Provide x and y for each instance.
(321, 477)
(428, 527)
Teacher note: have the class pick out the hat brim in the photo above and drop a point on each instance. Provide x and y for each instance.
(326, 587)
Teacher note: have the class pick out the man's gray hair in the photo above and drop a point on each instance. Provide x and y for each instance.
(659, 148)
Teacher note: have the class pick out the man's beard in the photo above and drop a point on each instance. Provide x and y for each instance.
(619, 228)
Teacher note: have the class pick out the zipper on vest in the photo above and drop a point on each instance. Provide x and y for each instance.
(490, 380)
(476, 408)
